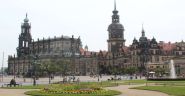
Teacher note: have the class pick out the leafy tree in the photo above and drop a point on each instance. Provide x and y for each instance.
(131, 70)
(4, 70)
(63, 66)
(53, 66)
(123, 70)
(49, 67)
(159, 71)
(114, 71)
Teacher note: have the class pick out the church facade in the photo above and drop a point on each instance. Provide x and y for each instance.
(144, 54)
(44, 49)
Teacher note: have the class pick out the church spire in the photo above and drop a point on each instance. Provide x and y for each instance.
(143, 31)
(114, 4)
(115, 12)
(115, 16)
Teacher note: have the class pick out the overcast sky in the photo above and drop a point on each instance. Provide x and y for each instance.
(89, 19)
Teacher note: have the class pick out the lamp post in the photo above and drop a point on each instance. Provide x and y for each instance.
(2, 69)
(34, 63)
(14, 67)
(145, 65)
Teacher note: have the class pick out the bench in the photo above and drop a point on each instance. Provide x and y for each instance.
(10, 85)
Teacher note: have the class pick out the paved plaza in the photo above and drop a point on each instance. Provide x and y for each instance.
(134, 92)
(29, 81)
(13, 92)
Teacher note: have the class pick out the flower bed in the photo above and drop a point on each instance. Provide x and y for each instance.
(72, 90)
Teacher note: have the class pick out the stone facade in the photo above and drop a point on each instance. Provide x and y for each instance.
(144, 53)
(57, 47)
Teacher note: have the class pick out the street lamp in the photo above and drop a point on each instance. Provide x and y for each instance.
(34, 63)
(14, 67)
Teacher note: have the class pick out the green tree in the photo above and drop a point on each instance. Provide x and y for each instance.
(49, 67)
(4, 70)
(114, 70)
(159, 72)
(123, 70)
(53, 66)
(63, 66)
(131, 70)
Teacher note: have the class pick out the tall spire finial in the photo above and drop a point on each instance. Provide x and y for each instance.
(26, 19)
(114, 4)
(142, 26)
(143, 32)
(115, 11)
(26, 15)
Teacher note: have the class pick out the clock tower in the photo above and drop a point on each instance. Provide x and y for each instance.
(116, 33)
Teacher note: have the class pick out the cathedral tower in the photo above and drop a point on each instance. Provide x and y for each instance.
(116, 33)
(24, 38)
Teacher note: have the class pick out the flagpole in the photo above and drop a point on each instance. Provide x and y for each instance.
(2, 67)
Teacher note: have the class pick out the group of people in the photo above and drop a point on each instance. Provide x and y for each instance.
(70, 79)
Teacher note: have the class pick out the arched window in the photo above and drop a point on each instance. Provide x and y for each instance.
(26, 44)
(22, 43)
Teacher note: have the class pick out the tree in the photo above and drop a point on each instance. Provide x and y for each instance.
(53, 66)
(131, 70)
(63, 66)
(5, 71)
(159, 72)
(114, 70)
(49, 67)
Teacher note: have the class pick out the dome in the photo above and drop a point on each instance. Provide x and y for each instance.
(135, 41)
(115, 26)
(26, 20)
(143, 39)
(153, 41)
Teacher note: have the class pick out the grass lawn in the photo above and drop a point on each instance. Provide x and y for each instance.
(128, 82)
(171, 90)
(139, 81)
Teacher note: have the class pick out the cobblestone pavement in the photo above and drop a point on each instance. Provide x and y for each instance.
(134, 92)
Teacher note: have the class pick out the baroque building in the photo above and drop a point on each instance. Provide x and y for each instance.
(145, 54)
(144, 51)
(57, 47)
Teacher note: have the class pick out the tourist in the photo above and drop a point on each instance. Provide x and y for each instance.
(12, 82)
(78, 80)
